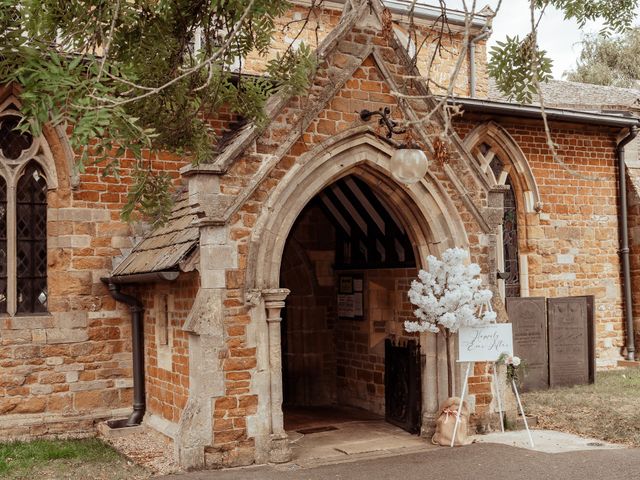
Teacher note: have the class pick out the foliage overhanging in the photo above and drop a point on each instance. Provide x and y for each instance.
(127, 76)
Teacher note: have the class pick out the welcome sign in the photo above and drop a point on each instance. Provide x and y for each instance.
(484, 343)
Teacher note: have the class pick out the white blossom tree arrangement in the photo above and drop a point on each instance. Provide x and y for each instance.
(448, 296)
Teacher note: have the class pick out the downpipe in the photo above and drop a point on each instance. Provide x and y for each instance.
(137, 337)
(624, 242)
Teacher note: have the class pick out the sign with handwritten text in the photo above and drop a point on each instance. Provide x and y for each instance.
(485, 343)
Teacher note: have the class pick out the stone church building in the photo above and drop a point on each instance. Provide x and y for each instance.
(280, 280)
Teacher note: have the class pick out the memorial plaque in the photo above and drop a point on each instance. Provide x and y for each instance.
(529, 318)
(568, 341)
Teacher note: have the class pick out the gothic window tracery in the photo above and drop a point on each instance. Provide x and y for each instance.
(509, 229)
(23, 220)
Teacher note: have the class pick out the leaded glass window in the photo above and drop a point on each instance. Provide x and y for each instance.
(31, 240)
(12, 141)
(511, 253)
(510, 243)
(23, 219)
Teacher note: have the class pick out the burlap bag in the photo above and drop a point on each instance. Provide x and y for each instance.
(446, 422)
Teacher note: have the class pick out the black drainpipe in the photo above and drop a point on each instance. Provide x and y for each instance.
(624, 242)
(137, 335)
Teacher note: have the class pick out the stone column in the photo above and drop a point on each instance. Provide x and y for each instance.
(430, 403)
(280, 451)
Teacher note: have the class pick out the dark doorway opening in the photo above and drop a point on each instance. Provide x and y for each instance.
(348, 262)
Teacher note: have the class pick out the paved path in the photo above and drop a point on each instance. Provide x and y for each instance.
(474, 462)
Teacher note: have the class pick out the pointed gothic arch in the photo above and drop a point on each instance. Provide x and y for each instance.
(425, 210)
(503, 162)
(28, 169)
(502, 144)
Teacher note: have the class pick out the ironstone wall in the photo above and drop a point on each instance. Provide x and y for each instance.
(572, 243)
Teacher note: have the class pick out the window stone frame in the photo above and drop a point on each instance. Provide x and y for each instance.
(12, 170)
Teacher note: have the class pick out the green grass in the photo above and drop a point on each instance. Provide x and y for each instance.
(608, 410)
(87, 458)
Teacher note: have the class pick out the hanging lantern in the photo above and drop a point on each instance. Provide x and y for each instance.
(409, 165)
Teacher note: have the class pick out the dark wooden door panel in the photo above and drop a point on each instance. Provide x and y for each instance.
(403, 385)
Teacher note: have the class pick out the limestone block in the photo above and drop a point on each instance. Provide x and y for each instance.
(124, 382)
(207, 313)
(66, 335)
(121, 242)
(54, 361)
(213, 279)
(216, 257)
(29, 323)
(70, 241)
(214, 235)
(565, 259)
(71, 319)
(75, 214)
(13, 337)
(41, 389)
(86, 386)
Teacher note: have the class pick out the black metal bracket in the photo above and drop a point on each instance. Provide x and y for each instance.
(392, 126)
(502, 275)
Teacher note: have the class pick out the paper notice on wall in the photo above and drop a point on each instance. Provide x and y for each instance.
(358, 308)
(346, 306)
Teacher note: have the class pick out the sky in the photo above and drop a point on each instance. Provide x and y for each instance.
(559, 37)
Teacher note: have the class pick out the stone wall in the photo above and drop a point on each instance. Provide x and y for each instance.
(167, 306)
(571, 245)
(360, 343)
(436, 67)
(61, 372)
(73, 366)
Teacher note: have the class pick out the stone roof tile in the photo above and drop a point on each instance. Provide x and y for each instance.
(165, 247)
(580, 96)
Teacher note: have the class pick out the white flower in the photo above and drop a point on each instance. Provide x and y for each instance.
(489, 317)
(449, 294)
(515, 361)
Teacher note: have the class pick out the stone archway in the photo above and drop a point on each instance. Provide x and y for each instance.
(490, 143)
(426, 212)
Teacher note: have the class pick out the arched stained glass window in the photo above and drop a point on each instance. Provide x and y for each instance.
(31, 241)
(510, 243)
(3, 245)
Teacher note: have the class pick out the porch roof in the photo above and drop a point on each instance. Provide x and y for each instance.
(166, 247)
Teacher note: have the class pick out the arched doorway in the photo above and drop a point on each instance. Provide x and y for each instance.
(348, 262)
(425, 210)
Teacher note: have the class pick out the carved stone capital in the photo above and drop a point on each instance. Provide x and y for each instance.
(275, 295)
(274, 302)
